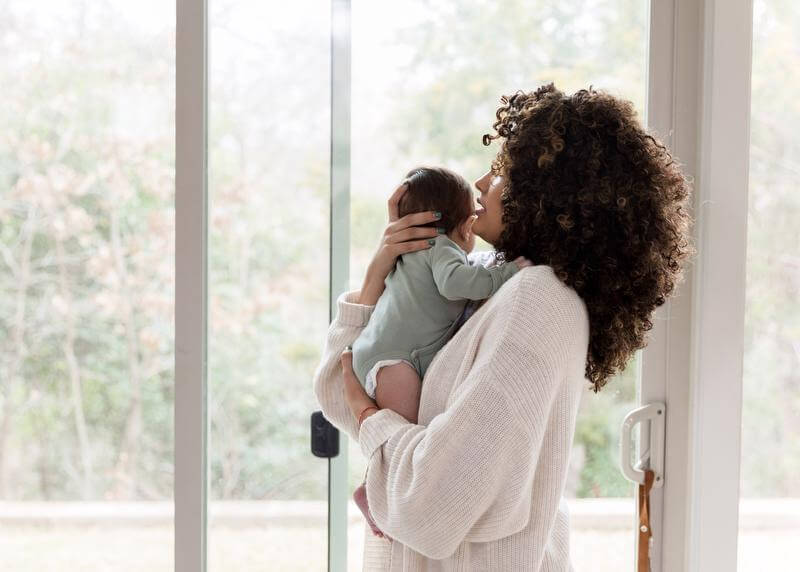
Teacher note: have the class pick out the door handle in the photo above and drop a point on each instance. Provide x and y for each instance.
(324, 437)
(651, 457)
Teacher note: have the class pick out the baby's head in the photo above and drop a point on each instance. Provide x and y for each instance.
(439, 189)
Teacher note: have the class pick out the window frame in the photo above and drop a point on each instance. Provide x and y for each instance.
(699, 102)
(191, 285)
(339, 265)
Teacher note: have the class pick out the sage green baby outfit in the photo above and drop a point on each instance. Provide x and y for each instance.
(417, 313)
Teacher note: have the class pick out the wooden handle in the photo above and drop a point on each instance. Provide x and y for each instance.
(645, 532)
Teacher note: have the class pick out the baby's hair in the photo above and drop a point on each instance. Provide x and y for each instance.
(437, 189)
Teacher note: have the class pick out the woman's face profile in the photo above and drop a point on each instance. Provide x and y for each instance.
(489, 224)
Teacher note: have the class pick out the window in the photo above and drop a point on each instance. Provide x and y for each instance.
(86, 285)
(769, 511)
(268, 237)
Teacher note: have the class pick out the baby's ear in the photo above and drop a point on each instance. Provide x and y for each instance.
(466, 226)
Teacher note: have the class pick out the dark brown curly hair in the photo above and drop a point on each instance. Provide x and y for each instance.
(591, 194)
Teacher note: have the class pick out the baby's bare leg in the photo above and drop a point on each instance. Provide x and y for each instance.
(398, 387)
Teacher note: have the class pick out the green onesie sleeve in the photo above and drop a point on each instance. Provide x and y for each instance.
(457, 280)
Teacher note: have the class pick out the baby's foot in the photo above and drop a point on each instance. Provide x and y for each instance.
(360, 496)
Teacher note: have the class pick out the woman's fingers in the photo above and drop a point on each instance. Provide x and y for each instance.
(522, 262)
(355, 395)
(403, 236)
(400, 236)
(410, 220)
(348, 375)
(347, 367)
(411, 233)
(408, 246)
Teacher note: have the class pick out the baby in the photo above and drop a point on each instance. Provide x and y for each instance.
(425, 294)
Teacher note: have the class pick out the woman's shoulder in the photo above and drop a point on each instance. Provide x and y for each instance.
(535, 335)
(539, 284)
(538, 301)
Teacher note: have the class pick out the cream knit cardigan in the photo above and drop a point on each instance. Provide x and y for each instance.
(477, 483)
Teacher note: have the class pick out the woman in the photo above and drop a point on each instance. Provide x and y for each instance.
(599, 207)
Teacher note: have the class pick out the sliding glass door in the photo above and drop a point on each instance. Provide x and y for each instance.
(426, 80)
(183, 200)
(268, 246)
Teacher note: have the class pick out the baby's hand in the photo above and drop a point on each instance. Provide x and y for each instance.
(522, 262)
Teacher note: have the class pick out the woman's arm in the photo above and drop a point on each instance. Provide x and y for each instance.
(429, 486)
(355, 308)
(328, 384)
(400, 236)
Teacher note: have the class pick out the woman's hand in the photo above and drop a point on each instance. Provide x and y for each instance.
(400, 236)
(355, 395)
(522, 262)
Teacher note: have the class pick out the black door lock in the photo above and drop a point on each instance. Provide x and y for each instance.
(324, 437)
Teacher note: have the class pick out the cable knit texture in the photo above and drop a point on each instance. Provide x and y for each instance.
(477, 483)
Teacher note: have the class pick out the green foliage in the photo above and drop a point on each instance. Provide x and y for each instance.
(87, 228)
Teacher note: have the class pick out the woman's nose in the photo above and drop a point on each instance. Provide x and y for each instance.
(482, 184)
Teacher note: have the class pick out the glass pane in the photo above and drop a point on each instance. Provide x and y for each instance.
(427, 79)
(769, 511)
(269, 152)
(86, 285)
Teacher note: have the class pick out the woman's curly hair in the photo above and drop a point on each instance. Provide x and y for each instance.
(590, 193)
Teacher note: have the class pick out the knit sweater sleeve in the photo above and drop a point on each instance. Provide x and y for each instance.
(466, 476)
(328, 381)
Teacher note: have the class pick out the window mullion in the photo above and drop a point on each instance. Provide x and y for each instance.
(191, 215)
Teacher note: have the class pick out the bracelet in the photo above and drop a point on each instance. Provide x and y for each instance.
(364, 411)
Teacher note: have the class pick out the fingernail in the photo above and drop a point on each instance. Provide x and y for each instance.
(440, 229)
(437, 214)
(431, 241)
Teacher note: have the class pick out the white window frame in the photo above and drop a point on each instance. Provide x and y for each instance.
(699, 103)
(719, 290)
(338, 466)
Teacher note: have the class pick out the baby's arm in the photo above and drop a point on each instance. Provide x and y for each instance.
(457, 280)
